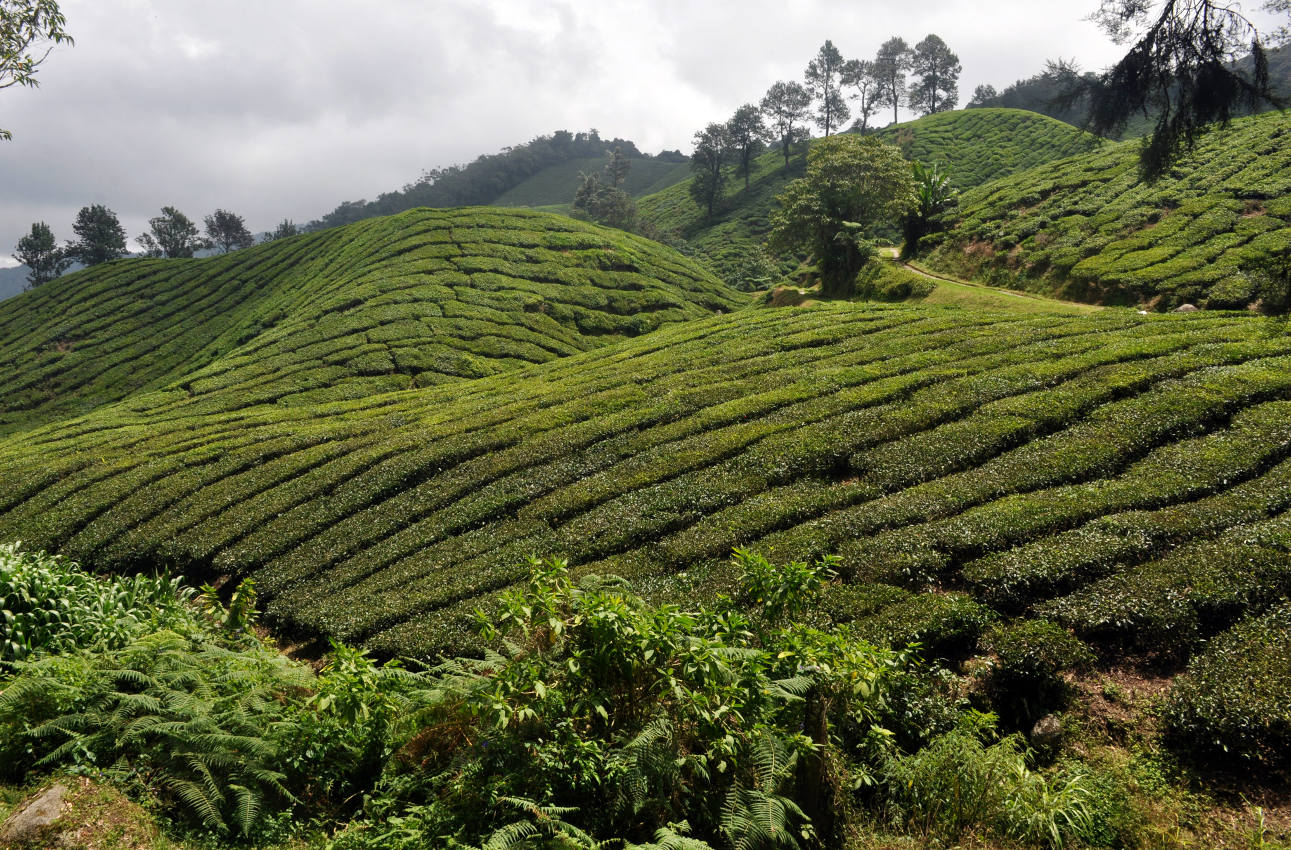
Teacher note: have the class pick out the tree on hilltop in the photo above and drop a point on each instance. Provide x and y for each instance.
(227, 231)
(982, 96)
(936, 68)
(785, 105)
(823, 79)
(171, 234)
(853, 183)
(1180, 66)
(40, 253)
(859, 75)
(29, 31)
(285, 228)
(712, 150)
(746, 131)
(99, 236)
(890, 67)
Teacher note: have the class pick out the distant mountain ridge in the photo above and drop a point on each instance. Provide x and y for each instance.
(12, 281)
(499, 179)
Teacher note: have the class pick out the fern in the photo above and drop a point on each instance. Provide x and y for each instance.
(755, 815)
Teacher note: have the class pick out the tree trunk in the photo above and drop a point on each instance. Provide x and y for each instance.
(817, 788)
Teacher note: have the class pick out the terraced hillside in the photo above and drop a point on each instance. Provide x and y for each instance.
(974, 145)
(411, 300)
(1126, 476)
(1085, 228)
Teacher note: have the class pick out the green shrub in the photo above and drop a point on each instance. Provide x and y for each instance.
(50, 606)
(958, 783)
(1028, 656)
(1234, 700)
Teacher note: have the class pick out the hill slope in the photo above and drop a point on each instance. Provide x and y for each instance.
(975, 146)
(1086, 467)
(410, 300)
(1086, 228)
(557, 184)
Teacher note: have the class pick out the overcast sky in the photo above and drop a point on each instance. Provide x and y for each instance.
(284, 108)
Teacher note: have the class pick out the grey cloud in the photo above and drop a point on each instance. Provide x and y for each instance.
(284, 108)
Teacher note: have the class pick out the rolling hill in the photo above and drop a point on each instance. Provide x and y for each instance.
(1126, 476)
(411, 300)
(1085, 228)
(975, 146)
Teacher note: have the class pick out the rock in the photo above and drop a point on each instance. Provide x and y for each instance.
(1186, 308)
(1046, 734)
(28, 826)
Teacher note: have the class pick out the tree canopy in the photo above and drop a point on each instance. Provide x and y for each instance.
(29, 31)
(40, 253)
(712, 150)
(890, 67)
(1181, 66)
(227, 231)
(746, 130)
(861, 76)
(823, 79)
(100, 236)
(171, 234)
(785, 105)
(853, 183)
(936, 68)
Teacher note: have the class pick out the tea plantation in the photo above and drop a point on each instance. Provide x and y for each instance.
(417, 299)
(973, 146)
(1125, 476)
(1085, 228)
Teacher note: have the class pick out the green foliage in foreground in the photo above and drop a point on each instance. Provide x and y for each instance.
(51, 606)
(1086, 228)
(426, 297)
(594, 720)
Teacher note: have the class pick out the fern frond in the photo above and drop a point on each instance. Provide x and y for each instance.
(198, 803)
(248, 806)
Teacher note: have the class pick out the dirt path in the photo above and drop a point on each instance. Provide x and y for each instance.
(895, 254)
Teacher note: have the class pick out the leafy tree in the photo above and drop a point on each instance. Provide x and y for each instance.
(172, 234)
(601, 197)
(890, 67)
(100, 236)
(746, 131)
(853, 183)
(824, 81)
(29, 31)
(936, 68)
(604, 203)
(285, 228)
(785, 105)
(1181, 67)
(227, 231)
(982, 96)
(40, 253)
(618, 167)
(712, 150)
(859, 74)
(933, 196)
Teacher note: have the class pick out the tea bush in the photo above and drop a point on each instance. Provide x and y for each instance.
(1234, 700)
